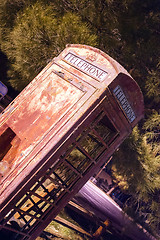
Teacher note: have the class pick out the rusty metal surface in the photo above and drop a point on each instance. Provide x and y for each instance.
(54, 95)
(48, 112)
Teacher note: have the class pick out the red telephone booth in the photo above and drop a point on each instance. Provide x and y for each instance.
(61, 129)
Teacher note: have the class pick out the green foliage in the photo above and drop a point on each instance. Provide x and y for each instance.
(152, 127)
(136, 167)
(37, 37)
(8, 13)
(139, 31)
(100, 16)
(140, 169)
(72, 30)
(30, 44)
(64, 232)
(153, 85)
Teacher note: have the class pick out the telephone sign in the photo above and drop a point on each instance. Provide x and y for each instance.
(86, 67)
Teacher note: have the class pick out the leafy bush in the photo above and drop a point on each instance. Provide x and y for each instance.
(37, 37)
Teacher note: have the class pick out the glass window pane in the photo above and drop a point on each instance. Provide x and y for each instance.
(105, 129)
(78, 160)
(92, 144)
(65, 174)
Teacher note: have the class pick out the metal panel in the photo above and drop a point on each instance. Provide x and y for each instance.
(37, 118)
(59, 131)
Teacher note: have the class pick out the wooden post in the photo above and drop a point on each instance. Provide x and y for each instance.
(103, 167)
(101, 230)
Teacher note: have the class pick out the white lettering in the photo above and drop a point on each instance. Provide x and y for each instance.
(92, 70)
(124, 103)
(80, 63)
(85, 66)
(68, 56)
(102, 75)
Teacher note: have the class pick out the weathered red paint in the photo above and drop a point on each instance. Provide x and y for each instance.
(52, 109)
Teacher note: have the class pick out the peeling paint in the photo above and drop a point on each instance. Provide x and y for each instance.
(50, 110)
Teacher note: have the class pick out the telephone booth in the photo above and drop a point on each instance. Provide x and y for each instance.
(58, 132)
